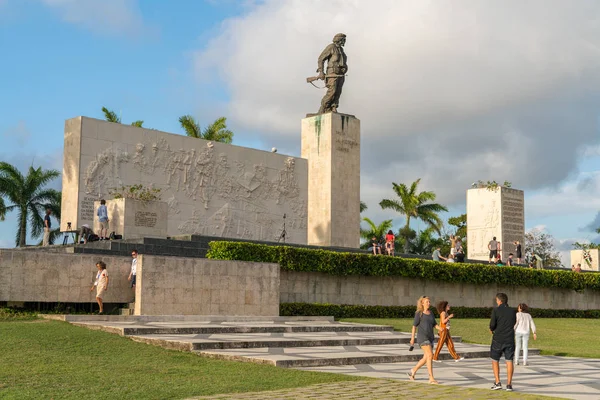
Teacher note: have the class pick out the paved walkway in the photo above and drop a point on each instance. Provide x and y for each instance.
(377, 389)
(564, 377)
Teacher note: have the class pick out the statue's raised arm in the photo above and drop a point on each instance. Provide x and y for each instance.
(335, 73)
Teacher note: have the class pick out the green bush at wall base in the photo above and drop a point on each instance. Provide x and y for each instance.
(338, 263)
(359, 311)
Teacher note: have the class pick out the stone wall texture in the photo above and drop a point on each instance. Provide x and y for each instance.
(577, 258)
(499, 213)
(199, 286)
(314, 287)
(331, 143)
(211, 188)
(54, 277)
(134, 218)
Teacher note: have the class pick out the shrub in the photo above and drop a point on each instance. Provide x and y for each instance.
(137, 192)
(337, 263)
(359, 311)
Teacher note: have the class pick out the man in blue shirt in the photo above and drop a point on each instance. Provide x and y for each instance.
(103, 217)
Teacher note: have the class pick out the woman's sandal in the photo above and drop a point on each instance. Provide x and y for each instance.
(433, 382)
(411, 375)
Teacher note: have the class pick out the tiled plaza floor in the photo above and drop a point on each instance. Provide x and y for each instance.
(564, 377)
(377, 389)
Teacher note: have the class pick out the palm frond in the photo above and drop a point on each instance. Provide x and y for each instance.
(218, 132)
(363, 206)
(111, 116)
(190, 126)
(138, 123)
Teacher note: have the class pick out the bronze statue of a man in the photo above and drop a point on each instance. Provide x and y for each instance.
(334, 75)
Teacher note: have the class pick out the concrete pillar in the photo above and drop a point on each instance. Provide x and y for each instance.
(331, 143)
(498, 212)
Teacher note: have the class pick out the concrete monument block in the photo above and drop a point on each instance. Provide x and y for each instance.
(577, 257)
(135, 218)
(496, 212)
(331, 144)
(210, 188)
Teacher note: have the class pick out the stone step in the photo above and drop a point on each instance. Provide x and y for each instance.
(227, 327)
(259, 340)
(125, 311)
(297, 357)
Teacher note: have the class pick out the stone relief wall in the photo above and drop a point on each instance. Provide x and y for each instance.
(210, 188)
(490, 213)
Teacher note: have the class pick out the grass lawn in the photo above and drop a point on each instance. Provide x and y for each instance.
(41, 359)
(571, 337)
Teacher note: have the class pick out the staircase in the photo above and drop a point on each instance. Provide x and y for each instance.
(290, 342)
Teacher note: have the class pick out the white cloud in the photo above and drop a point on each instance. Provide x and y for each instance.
(488, 90)
(580, 195)
(104, 17)
(18, 133)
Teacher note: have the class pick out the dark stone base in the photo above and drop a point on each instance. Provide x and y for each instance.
(313, 114)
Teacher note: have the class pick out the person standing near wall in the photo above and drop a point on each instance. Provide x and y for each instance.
(103, 219)
(502, 326)
(133, 272)
(47, 226)
(101, 284)
(423, 326)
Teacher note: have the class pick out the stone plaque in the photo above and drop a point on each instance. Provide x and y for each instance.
(146, 219)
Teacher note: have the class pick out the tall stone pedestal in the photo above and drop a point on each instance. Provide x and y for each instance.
(499, 213)
(331, 144)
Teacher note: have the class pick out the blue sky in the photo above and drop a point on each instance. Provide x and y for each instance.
(433, 109)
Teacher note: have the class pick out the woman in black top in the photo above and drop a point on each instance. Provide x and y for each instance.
(425, 322)
(518, 251)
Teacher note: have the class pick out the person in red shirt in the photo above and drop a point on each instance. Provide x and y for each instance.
(389, 243)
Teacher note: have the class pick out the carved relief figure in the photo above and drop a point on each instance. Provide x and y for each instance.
(287, 185)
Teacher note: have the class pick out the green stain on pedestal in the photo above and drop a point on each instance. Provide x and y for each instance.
(318, 131)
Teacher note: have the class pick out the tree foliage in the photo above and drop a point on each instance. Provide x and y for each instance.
(363, 206)
(541, 243)
(374, 230)
(112, 116)
(413, 204)
(216, 132)
(29, 198)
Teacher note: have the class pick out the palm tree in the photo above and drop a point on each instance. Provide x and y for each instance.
(413, 204)
(373, 230)
(29, 197)
(112, 116)
(363, 206)
(425, 243)
(216, 132)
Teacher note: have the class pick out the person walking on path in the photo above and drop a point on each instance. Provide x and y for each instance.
(101, 284)
(443, 308)
(47, 226)
(103, 219)
(522, 327)
(423, 326)
(502, 326)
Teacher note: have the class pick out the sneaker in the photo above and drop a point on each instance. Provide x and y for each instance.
(437, 361)
(497, 386)
(459, 359)
(525, 363)
(516, 363)
(509, 388)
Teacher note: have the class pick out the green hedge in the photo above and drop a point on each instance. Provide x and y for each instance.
(337, 263)
(358, 311)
